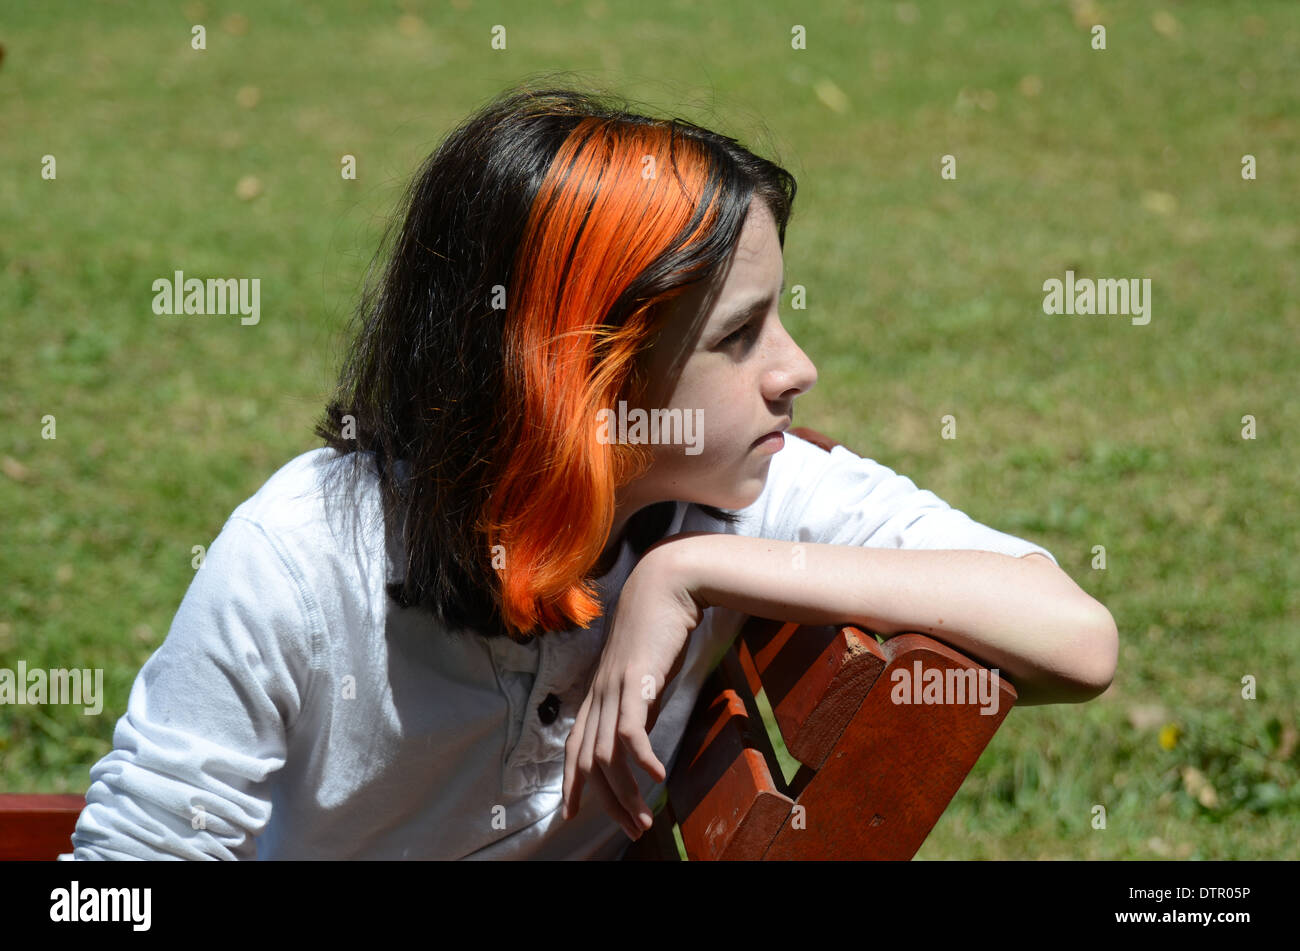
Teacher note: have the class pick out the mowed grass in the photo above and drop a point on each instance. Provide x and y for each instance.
(923, 300)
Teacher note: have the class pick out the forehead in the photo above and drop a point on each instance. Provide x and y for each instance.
(753, 270)
(758, 249)
(755, 263)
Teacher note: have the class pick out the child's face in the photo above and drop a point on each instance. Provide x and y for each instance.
(742, 374)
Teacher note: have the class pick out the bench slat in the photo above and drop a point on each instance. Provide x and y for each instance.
(726, 787)
(815, 679)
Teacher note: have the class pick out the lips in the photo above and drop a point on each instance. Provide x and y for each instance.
(772, 432)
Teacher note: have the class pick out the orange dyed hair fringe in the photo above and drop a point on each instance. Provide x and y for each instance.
(610, 204)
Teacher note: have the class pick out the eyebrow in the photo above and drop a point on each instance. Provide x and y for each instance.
(744, 313)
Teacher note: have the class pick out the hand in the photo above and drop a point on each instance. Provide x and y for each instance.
(644, 647)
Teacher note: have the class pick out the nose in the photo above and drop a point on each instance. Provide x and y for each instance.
(790, 372)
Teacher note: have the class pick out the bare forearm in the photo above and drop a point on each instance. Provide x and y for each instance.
(1022, 615)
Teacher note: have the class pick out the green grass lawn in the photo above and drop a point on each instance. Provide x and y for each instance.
(923, 299)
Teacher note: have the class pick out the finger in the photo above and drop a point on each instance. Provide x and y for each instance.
(634, 736)
(611, 758)
(618, 775)
(607, 724)
(572, 747)
(601, 721)
(613, 806)
(586, 747)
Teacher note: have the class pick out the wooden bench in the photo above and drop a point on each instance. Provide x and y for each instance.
(874, 775)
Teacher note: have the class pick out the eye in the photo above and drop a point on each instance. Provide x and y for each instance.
(744, 333)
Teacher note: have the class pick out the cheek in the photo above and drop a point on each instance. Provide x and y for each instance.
(716, 429)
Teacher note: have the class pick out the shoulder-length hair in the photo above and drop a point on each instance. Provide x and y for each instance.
(542, 243)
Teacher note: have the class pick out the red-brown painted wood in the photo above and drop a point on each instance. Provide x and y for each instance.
(814, 678)
(895, 769)
(726, 788)
(37, 827)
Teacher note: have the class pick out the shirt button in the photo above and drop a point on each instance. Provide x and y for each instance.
(549, 708)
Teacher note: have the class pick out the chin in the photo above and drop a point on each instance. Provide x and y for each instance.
(731, 495)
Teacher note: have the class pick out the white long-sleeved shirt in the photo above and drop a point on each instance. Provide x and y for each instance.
(295, 712)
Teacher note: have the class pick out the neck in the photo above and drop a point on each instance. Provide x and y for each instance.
(610, 553)
(625, 507)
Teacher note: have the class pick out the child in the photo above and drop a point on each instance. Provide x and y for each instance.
(554, 473)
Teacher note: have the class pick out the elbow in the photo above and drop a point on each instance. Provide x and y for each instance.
(1094, 654)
